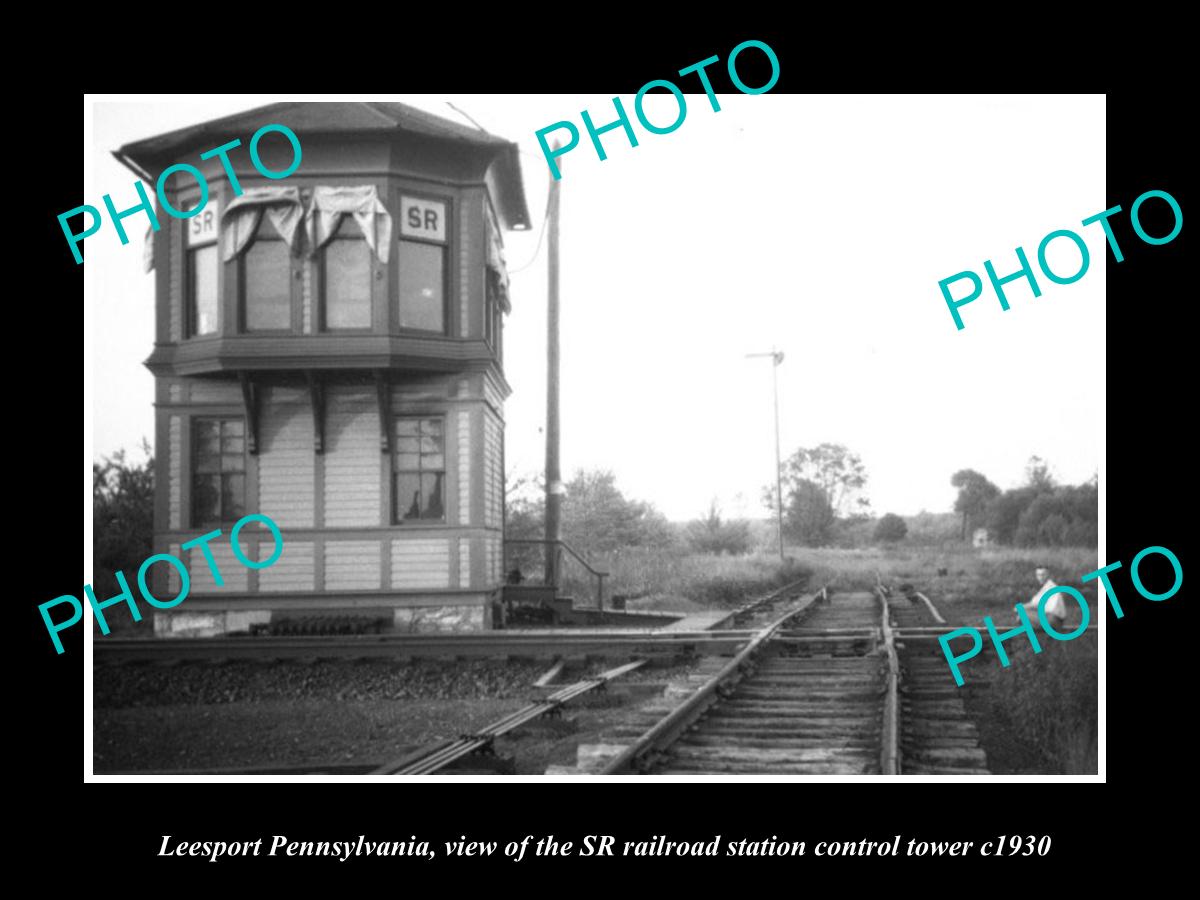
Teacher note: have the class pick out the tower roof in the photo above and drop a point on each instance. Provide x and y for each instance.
(346, 117)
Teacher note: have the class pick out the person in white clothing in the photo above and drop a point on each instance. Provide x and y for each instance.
(1056, 610)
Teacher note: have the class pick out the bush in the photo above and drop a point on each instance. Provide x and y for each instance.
(891, 528)
(714, 535)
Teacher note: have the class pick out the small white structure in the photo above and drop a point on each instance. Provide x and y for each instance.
(981, 538)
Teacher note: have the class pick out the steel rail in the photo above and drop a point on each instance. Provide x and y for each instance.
(438, 756)
(930, 632)
(429, 645)
(937, 616)
(889, 760)
(750, 606)
(668, 729)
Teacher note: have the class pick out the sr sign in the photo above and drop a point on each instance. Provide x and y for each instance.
(425, 219)
(202, 227)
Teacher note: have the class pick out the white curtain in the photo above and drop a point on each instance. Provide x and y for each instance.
(330, 204)
(243, 215)
(495, 256)
(148, 250)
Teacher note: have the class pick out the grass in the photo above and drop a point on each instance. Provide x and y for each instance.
(676, 581)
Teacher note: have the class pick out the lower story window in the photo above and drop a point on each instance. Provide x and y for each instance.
(419, 470)
(218, 470)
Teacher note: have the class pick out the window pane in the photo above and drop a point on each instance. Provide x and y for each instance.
(233, 445)
(421, 291)
(206, 497)
(207, 429)
(407, 461)
(203, 289)
(233, 492)
(408, 495)
(431, 496)
(268, 286)
(347, 281)
(232, 428)
(407, 426)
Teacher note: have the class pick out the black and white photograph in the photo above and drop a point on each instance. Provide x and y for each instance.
(720, 434)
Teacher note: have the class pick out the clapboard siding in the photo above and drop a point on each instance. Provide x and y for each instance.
(417, 389)
(493, 476)
(173, 573)
(233, 573)
(285, 461)
(492, 394)
(210, 391)
(352, 565)
(464, 467)
(306, 300)
(491, 556)
(293, 571)
(464, 562)
(175, 472)
(353, 492)
(420, 563)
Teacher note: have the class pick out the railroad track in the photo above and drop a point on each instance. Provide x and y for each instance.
(831, 687)
(445, 754)
(496, 644)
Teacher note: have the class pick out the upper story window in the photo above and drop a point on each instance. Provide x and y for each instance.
(203, 269)
(422, 264)
(493, 314)
(346, 278)
(266, 274)
(218, 470)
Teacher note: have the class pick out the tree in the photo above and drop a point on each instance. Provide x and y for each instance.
(1037, 474)
(810, 515)
(891, 528)
(975, 492)
(714, 535)
(597, 517)
(122, 519)
(837, 472)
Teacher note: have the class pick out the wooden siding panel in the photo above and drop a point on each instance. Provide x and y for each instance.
(286, 470)
(420, 563)
(352, 565)
(233, 573)
(306, 299)
(175, 473)
(209, 390)
(493, 476)
(491, 394)
(353, 492)
(173, 573)
(464, 467)
(293, 571)
(464, 562)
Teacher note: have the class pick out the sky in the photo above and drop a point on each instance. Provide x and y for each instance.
(816, 225)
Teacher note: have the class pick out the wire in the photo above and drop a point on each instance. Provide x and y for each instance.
(467, 116)
(545, 214)
(537, 250)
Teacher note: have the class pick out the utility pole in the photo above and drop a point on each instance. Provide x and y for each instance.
(554, 485)
(776, 358)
